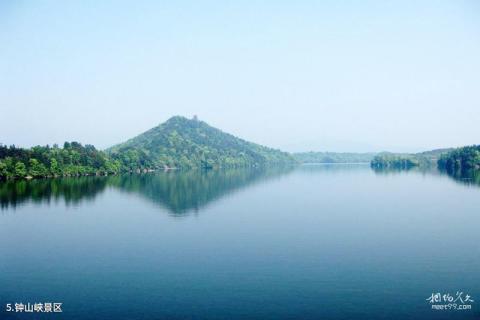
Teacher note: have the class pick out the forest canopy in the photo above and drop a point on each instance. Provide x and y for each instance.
(464, 158)
(190, 143)
(177, 143)
(73, 159)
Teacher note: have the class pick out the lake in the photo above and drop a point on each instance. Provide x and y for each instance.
(311, 242)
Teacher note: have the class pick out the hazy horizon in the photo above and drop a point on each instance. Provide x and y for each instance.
(342, 77)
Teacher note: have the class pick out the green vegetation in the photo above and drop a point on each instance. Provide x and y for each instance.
(177, 143)
(41, 162)
(461, 159)
(386, 160)
(190, 143)
(394, 161)
(462, 164)
(433, 155)
(333, 157)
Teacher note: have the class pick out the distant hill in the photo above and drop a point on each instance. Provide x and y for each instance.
(434, 155)
(333, 157)
(188, 143)
(408, 160)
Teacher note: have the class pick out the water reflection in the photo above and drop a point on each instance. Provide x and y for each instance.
(71, 190)
(466, 177)
(416, 170)
(183, 192)
(332, 167)
(180, 192)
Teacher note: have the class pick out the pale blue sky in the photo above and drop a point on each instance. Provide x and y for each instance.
(296, 75)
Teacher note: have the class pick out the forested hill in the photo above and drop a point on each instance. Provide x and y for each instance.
(177, 143)
(408, 160)
(333, 157)
(189, 143)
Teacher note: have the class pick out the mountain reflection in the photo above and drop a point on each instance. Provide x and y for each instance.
(180, 192)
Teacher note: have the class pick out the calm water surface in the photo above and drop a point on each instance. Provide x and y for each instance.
(313, 242)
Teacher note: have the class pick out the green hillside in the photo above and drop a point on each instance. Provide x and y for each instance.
(333, 157)
(408, 160)
(189, 143)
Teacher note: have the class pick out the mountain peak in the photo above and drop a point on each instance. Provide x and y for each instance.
(181, 142)
(181, 119)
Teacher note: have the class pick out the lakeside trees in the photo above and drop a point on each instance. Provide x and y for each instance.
(177, 143)
(190, 143)
(394, 161)
(464, 158)
(387, 160)
(73, 159)
(458, 161)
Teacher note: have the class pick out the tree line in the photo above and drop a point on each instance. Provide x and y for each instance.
(464, 158)
(394, 161)
(73, 159)
(459, 159)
